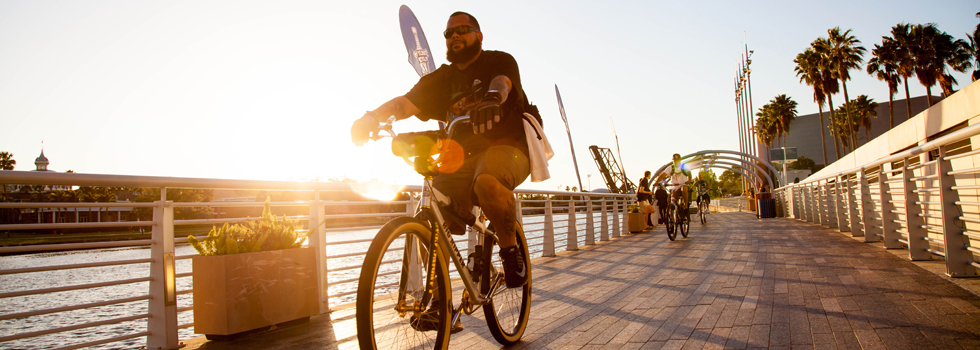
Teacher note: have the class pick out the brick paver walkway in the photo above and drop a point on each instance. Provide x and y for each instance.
(736, 283)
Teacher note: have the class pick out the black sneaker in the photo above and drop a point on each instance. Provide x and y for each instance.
(428, 320)
(515, 273)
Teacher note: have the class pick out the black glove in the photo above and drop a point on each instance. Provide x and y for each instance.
(487, 112)
(363, 129)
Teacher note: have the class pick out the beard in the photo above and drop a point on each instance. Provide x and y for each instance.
(465, 54)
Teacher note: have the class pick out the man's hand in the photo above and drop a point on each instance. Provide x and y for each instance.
(363, 129)
(487, 112)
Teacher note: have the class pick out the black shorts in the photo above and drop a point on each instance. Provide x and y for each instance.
(506, 163)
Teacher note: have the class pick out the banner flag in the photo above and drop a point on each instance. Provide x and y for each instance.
(419, 55)
(561, 109)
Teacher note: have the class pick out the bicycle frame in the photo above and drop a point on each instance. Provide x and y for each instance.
(430, 203)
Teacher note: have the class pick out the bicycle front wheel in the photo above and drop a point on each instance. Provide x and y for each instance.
(507, 309)
(669, 223)
(703, 212)
(394, 308)
(684, 221)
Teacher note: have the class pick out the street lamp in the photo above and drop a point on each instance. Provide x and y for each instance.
(590, 181)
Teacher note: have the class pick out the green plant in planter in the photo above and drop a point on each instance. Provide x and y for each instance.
(267, 233)
(635, 208)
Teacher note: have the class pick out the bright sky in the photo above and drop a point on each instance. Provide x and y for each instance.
(268, 90)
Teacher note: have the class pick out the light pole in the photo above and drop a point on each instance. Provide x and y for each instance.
(784, 165)
(590, 181)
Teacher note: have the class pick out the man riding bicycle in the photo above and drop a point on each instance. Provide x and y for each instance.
(493, 160)
(678, 178)
(702, 187)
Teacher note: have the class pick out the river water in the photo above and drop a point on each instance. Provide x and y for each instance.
(68, 277)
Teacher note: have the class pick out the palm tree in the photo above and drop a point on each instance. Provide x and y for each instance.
(934, 50)
(884, 66)
(784, 113)
(808, 69)
(7, 161)
(831, 84)
(903, 42)
(863, 109)
(974, 49)
(844, 52)
(765, 125)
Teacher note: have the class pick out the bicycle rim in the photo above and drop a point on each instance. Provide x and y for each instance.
(508, 309)
(685, 223)
(669, 221)
(390, 268)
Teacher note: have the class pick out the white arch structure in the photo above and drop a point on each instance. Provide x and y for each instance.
(712, 156)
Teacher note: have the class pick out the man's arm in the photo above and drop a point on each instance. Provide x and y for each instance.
(502, 85)
(400, 107)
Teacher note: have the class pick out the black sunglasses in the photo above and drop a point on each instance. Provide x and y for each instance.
(463, 29)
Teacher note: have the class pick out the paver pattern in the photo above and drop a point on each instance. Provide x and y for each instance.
(736, 283)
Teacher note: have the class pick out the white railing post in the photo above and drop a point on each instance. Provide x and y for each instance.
(867, 209)
(549, 229)
(914, 221)
(604, 234)
(839, 204)
(571, 239)
(615, 226)
(822, 209)
(829, 204)
(589, 222)
(624, 228)
(958, 258)
(889, 233)
(808, 196)
(318, 241)
(852, 206)
(797, 203)
(162, 323)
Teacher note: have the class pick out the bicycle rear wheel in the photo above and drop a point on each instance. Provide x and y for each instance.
(391, 292)
(508, 309)
(669, 223)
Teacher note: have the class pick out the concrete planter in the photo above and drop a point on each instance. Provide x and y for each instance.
(636, 222)
(244, 292)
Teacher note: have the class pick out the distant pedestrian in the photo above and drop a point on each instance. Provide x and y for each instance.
(644, 196)
(663, 199)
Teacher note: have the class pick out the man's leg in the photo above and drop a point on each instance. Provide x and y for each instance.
(502, 168)
(498, 204)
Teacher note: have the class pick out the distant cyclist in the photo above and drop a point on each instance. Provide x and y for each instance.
(702, 187)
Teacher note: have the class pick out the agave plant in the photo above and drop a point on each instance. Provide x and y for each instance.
(267, 233)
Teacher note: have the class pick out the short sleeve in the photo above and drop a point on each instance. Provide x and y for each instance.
(431, 94)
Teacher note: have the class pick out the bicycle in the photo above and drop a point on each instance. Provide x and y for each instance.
(703, 210)
(404, 294)
(682, 219)
(668, 219)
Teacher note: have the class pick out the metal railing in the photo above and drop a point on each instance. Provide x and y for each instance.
(924, 199)
(553, 221)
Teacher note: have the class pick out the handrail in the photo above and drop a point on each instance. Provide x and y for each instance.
(914, 151)
(543, 225)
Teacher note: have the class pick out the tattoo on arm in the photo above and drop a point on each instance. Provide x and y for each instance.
(502, 84)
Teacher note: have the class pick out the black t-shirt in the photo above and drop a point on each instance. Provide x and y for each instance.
(448, 92)
(645, 186)
(662, 197)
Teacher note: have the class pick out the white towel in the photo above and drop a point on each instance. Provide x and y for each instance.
(538, 148)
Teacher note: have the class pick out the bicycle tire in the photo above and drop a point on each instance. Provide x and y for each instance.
(669, 222)
(684, 220)
(379, 325)
(703, 211)
(508, 309)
